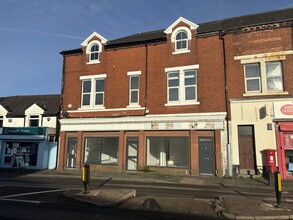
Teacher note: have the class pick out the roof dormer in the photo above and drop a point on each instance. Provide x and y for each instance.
(94, 46)
(3, 110)
(181, 33)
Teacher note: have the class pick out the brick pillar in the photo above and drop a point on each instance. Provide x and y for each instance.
(193, 151)
(62, 150)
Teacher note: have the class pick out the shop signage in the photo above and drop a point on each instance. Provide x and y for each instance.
(287, 109)
(283, 110)
(24, 131)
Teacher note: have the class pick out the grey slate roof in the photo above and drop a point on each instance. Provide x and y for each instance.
(208, 27)
(16, 105)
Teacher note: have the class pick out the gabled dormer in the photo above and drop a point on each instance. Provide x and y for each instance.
(3, 113)
(181, 32)
(93, 47)
(34, 116)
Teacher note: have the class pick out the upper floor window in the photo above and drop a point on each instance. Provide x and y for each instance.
(93, 91)
(181, 37)
(34, 121)
(263, 77)
(93, 51)
(134, 78)
(181, 41)
(182, 85)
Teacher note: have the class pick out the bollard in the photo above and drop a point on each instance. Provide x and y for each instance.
(86, 177)
(278, 188)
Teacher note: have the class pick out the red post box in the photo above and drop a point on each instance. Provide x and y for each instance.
(270, 160)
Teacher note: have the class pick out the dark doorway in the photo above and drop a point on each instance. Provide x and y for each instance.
(206, 156)
(247, 161)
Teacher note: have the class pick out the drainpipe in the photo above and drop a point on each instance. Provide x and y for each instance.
(146, 111)
(229, 165)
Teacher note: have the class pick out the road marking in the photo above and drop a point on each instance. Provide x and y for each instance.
(20, 200)
(33, 193)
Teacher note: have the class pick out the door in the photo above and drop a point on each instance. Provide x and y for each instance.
(71, 152)
(247, 161)
(206, 156)
(132, 152)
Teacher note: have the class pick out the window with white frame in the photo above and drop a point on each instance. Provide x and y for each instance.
(181, 41)
(263, 77)
(134, 78)
(182, 85)
(181, 37)
(93, 89)
(93, 51)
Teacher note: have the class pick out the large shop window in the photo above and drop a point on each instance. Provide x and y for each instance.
(167, 151)
(14, 152)
(101, 150)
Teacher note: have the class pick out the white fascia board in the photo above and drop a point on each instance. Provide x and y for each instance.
(95, 34)
(192, 25)
(34, 109)
(3, 110)
(162, 122)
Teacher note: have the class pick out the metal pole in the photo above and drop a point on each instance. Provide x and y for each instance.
(278, 188)
(86, 177)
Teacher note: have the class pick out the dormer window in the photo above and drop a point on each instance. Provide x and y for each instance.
(94, 53)
(181, 41)
(93, 50)
(181, 37)
(93, 46)
(181, 32)
(34, 121)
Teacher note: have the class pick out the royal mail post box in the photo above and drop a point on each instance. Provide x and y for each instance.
(270, 160)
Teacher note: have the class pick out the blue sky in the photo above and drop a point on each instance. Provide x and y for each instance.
(33, 32)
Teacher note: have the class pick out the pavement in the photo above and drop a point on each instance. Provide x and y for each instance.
(227, 207)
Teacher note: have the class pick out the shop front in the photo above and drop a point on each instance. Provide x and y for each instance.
(284, 136)
(28, 148)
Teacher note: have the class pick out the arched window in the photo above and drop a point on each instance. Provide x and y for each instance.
(181, 41)
(94, 52)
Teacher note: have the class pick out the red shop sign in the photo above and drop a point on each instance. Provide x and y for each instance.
(287, 109)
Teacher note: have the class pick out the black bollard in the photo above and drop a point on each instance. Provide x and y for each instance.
(278, 188)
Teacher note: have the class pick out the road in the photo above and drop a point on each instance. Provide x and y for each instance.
(41, 197)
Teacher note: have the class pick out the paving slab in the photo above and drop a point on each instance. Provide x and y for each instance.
(241, 207)
(102, 197)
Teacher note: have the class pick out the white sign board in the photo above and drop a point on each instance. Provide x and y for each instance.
(283, 110)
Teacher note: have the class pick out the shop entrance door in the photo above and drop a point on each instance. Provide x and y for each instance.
(247, 159)
(206, 156)
(71, 152)
(132, 152)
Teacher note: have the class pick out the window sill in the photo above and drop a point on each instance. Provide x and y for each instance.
(91, 108)
(93, 62)
(180, 52)
(133, 106)
(182, 104)
(264, 94)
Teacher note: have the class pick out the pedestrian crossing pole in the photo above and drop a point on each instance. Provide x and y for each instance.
(86, 177)
(278, 188)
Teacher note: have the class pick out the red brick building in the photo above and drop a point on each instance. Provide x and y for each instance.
(145, 102)
(159, 100)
